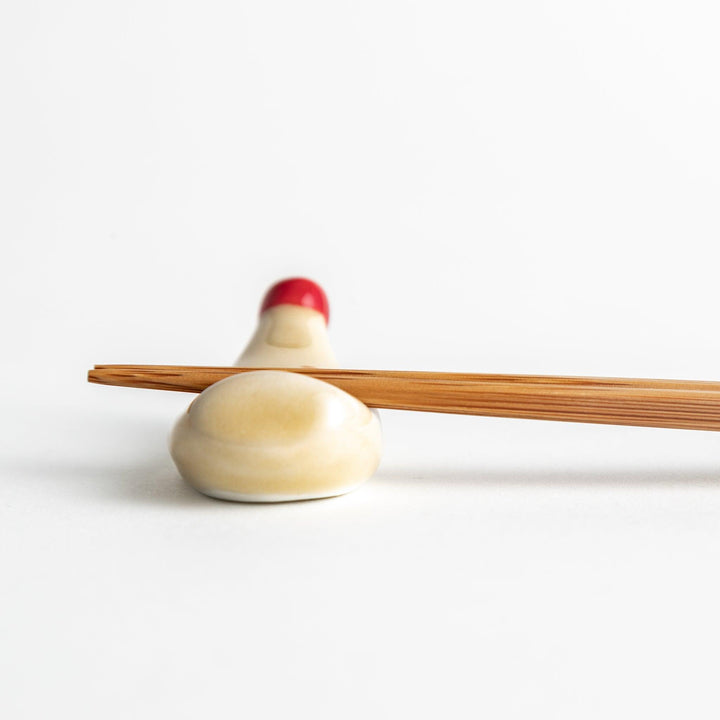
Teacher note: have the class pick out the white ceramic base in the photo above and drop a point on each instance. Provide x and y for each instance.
(273, 498)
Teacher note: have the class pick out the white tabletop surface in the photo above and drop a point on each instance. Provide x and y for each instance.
(515, 187)
(511, 565)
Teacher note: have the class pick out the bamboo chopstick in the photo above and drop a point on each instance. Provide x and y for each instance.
(687, 404)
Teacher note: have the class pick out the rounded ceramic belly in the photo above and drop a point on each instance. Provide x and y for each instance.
(273, 435)
(261, 407)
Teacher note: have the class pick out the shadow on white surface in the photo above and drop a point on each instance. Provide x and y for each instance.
(636, 477)
(152, 481)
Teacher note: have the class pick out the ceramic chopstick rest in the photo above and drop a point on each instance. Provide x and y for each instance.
(292, 328)
(272, 436)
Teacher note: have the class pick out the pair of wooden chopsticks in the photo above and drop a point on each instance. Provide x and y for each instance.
(692, 405)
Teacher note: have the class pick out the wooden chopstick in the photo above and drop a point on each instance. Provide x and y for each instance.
(687, 404)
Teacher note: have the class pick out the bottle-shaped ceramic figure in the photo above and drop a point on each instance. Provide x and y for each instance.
(273, 436)
(292, 328)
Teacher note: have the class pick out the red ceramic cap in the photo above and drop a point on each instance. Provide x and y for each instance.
(297, 291)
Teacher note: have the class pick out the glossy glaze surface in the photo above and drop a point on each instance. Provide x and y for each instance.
(268, 436)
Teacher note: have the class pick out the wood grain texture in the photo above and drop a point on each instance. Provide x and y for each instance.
(686, 404)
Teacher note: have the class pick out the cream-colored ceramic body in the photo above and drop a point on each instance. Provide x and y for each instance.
(272, 436)
(289, 336)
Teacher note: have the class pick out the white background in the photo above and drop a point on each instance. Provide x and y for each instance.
(502, 187)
